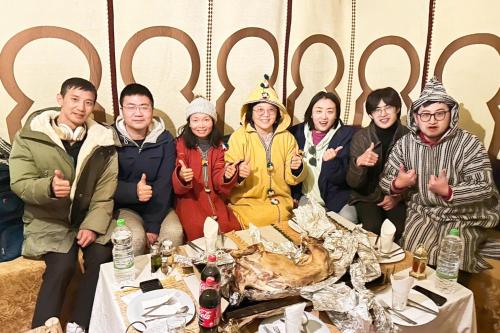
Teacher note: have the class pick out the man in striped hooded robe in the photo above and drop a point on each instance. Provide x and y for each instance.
(447, 177)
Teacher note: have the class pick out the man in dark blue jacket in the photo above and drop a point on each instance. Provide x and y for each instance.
(146, 162)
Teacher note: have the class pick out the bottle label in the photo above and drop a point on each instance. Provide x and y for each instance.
(209, 317)
(204, 286)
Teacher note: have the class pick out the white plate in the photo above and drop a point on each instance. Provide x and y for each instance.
(394, 247)
(314, 325)
(135, 309)
(421, 317)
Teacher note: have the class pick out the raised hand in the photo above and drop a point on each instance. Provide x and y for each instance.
(404, 178)
(368, 158)
(331, 153)
(229, 170)
(296, 161)
(245, 168)
(144, 191)
(439, 185)
(60, 186)
(185, 173)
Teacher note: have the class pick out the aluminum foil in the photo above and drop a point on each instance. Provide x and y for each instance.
(368, 268)
(312, 219)
(287, 248)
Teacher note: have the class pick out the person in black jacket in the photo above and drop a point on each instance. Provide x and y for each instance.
(146, 161)
(325, 141)
(370, 148)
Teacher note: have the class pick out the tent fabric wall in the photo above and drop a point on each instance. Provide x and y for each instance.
(220, 49)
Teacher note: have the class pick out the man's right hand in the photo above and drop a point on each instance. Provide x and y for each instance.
(404, 178)
(185, 173)
(60, 186)
(368, 158)
(144, 191)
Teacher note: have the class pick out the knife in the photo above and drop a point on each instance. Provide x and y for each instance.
(396, 313)
(195, 247)
(422, 307)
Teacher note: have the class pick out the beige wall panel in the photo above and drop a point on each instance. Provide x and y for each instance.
(318, 27)
(243, 67)
(43, 64)
(470, 73)
(406, 23)
(161, 60)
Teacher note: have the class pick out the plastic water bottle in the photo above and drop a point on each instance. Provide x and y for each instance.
(123, 254)
(448, 262)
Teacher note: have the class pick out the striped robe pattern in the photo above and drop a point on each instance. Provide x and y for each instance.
(474, 205)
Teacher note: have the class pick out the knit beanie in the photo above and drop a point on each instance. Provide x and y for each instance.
(201, 105)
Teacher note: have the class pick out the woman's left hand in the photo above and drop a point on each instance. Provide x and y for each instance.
(296, 160)
(331, 153)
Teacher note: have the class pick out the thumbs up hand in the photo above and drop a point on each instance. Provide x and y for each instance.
(229, 170)
(185, 173)
(245, 168)
(439, 185)
(404, 178)
(369, 158)
(331, 153)
(296, 161)
(60, 186)
(144, 191)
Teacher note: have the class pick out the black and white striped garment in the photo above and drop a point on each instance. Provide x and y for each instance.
(473, 207)
(5, 148)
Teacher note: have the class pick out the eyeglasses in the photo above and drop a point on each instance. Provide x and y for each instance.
(389, 109)
(262, 111)
(426, 116)
(132, 107)
(312, 160)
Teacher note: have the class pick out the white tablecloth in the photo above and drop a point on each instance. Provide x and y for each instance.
(458, 314)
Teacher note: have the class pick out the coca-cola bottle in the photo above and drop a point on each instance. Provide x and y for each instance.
(209, 301)
(210, 270)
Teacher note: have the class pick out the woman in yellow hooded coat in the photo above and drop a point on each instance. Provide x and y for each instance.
(269, 161)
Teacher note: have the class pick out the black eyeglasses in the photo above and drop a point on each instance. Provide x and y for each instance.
(426, 116)
(312, 151)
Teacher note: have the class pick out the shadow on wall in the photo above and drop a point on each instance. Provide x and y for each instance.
(466, 122)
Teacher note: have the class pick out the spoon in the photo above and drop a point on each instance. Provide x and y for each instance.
(181, 311)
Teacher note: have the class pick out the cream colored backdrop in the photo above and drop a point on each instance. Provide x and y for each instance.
(221, 48)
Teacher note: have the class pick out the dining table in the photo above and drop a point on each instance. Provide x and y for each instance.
(109, 313)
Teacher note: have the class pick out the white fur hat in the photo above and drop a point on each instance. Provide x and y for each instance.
(201, 105)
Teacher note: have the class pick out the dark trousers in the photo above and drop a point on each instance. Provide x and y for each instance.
(372, 217)
(58, 273)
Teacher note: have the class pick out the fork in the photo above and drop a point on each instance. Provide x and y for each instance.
(152, 308)
(387, 308)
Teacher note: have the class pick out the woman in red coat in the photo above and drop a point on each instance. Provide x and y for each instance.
(201, 178)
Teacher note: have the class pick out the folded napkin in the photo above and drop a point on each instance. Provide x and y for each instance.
(210, 231)
(401, 284)
(293, 317)
(387, 232)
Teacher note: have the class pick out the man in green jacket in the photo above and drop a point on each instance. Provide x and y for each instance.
(63, 165)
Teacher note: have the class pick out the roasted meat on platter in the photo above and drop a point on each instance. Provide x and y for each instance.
(275, 273)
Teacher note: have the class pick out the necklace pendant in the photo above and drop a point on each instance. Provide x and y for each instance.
(204, 162)
(270, 166)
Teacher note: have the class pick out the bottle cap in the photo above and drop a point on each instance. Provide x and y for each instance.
(120, 222)
(210, 281)
(455, 232)
(212, 258)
